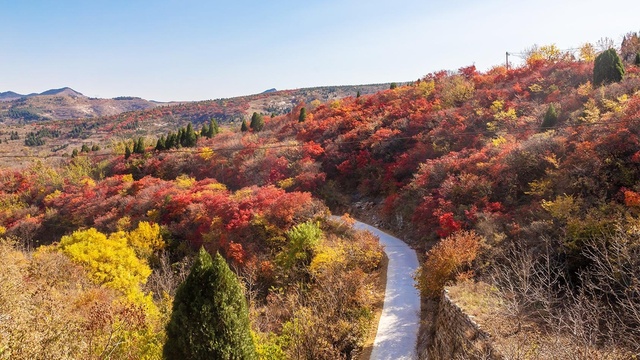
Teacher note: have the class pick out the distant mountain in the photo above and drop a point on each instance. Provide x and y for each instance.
(10, 95)
(65, 91)
(65, 103)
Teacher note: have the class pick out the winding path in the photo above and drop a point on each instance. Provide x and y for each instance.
(398, 328)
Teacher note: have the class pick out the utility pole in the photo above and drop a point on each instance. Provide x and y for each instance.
(507, 53)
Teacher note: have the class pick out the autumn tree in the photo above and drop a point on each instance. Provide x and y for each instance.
(446, 260)
(587, 52)
(257, 122)
(210, 318)
(607, 68)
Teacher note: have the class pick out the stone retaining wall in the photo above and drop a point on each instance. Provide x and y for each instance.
(457, 336)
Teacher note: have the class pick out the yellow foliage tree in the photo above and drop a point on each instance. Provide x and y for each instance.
(145, 239)
(109, 260)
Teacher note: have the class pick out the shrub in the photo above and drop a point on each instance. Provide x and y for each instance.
(446, 260)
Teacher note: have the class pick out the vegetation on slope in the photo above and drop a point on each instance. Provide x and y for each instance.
(529, 174)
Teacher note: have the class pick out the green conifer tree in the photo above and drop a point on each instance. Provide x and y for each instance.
(138, 148)
(161, 143)
(358, 94)
(636, 61)
(303, 115)
(550, 118)
(204, 132)
(74, 153)
(393, 86)
(190, 138)
(210, 318)
(127, 152)
(607, 68)
(214, 129)
(85, 148)
(244, 127)
(95, 148)
(257, 122)
(182, 136)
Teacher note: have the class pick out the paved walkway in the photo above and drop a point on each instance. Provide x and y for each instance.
(398, 328)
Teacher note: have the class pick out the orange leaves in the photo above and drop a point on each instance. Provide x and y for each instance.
(446, 260)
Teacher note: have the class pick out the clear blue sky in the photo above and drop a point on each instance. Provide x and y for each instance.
(196, 50)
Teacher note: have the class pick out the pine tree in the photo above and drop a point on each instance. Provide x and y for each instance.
(204, 132)
(214, 129)
(127, 152)
(358, 94)
(85, 148)
(74, 153)
(182, 137)
(190, 138)
(303, 115)
(257, 122)
(393, 86)
(210, 318)
(138, 148)
(550, 118)
(161, 143)
(607, 68)
(636, 61)
(244, 127)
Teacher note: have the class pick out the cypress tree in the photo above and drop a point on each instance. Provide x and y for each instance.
(127, 152)
(190, 138)
(607, 68)
(303, 115)
(550, 118)
(210, 318)
(138, 148)
(214, 129)
(182, 137)
(358, 94)
(205, 130)
(244, 127)
(257, 122)
(161, 143)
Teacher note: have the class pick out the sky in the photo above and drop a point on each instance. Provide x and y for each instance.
(197, 50)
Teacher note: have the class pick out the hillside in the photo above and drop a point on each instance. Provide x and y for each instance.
(525, 179)
(62, 104)
(66, 104)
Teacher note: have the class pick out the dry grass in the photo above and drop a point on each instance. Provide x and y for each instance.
(521, 339)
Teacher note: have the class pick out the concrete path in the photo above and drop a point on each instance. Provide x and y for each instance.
(398, 328)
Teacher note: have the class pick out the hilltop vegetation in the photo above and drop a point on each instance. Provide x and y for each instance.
(527, 178)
